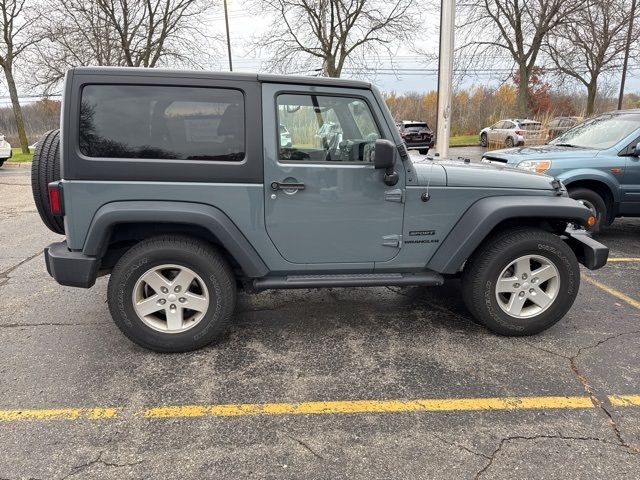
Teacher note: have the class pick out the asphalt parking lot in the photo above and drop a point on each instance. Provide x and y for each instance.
(342, 383)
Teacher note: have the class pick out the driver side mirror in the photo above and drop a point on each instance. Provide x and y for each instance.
(385, 157)
(636, 150)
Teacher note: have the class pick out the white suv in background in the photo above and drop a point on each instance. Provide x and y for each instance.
(513, 132)
(5, 150)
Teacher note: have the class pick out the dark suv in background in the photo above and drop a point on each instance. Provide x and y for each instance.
(416, 135)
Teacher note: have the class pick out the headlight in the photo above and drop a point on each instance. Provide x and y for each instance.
(537, 166)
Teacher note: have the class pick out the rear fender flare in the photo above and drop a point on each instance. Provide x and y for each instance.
(206, 216)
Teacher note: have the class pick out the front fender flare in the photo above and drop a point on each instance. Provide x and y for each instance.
(206, 216)
(593, 175)
(484, 215)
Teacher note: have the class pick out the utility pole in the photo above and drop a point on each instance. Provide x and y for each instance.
(626, 54)
(226, 22)
(445, 75)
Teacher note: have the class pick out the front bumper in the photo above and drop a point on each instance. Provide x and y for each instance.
(73, 269)
(590, 253)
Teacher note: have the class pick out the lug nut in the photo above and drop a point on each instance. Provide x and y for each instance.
(182, 299)
(534, 280)
(521, 294)
(162, 301)
(524, 276)
(177, 289)
(164, 289)
(172, 307)
(532, 291)
(516, 285)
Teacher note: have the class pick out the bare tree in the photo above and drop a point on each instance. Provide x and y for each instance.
(516, 27)
(334, 33)
(591, 44)
(17, 18)
(134, 33)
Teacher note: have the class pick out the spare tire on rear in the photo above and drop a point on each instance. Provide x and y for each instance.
(44, 170)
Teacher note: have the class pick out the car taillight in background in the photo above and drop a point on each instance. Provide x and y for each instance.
(55, 198)
(519, 132)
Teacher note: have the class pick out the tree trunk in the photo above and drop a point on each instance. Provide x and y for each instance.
(330, 68)
(523, 92)
(592, 90)
(17, 110)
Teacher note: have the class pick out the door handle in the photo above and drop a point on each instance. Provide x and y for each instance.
(287, 186)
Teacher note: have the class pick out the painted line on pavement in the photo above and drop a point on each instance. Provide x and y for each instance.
(624, 259)
(612, 291)
(371, 406)
(58, 414)
(625, 400)
(320, 408)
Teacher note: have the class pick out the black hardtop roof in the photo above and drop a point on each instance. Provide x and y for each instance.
(259, 77)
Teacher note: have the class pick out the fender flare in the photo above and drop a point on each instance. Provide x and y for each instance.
(206, 216)
(594, 176)
(483, 216)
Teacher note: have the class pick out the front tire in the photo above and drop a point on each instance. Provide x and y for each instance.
(521, 282)
(172, 294)
(594, 202)
(483, 140)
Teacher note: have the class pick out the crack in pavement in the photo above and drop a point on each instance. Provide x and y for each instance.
(462, 447)
(77, 469)
(307, 447)
(533, 438)
(4, 275)
(590, 390)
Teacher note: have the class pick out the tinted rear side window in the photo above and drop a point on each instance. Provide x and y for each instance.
(158, 122)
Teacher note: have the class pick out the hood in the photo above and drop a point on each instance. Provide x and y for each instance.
(539, 152)
(459, 174)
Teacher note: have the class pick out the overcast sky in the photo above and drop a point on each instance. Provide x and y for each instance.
(407, 71)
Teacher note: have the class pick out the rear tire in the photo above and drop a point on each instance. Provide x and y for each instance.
(521, 282)
(483, 140)
(153, 285)
(594, 202)
(509, 142)
(44, 170)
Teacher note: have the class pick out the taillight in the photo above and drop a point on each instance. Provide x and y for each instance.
(519, 132)
(55, 198)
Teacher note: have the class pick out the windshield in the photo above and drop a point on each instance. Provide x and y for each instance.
(601, 132)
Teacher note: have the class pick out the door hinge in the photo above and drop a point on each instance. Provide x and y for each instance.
(395, 195)
(392, 241)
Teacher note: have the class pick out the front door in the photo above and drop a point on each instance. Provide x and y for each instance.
(324, 201)
(631, 183)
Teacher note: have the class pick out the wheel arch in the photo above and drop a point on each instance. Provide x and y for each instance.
(117, 225)
(491, 214)
(601, 187)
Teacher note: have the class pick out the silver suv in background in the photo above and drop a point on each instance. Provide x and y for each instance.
(513, 132)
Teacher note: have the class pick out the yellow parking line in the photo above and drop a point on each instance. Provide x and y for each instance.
(612, 291)
(322, 408)
(370, 406)
(624, 259)
(625, 400)
(57, 414)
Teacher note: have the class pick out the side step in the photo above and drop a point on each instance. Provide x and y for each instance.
(351, 280)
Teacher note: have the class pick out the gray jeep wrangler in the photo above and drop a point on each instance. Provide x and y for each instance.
(179, 186)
